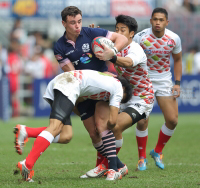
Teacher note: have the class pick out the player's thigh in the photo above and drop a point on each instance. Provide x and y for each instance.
(142, 124)
(124, 121)
(102, 112)
(169, 107)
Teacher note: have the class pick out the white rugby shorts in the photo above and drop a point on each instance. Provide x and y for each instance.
(139, 105)
(162, 87)
(65, 83)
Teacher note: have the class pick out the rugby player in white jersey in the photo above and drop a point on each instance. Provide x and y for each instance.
(131, 63)
(158, 44)
(62, 93)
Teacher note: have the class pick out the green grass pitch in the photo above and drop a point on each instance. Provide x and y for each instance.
(61, 165)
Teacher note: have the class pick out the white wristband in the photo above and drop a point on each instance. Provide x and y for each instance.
(116, 51)
(113, 51)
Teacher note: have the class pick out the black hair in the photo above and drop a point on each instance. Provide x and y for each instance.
(70, 11)
(160, 10)
(130, 22)
(127, 88)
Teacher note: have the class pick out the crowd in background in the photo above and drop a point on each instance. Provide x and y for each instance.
(27, 54)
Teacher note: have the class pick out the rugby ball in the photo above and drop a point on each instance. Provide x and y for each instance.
(96, 44)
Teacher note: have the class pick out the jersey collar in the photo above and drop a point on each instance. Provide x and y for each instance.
(66, 40)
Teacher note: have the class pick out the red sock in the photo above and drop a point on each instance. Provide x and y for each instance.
(117, 150)
(34, 132)
(105, 161)
(100, 158)
(142, 143)
(39, 146)
(162, 140)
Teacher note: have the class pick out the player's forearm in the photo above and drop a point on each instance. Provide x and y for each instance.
(120, 41)
(124, 62)
(68, 67)
(178, 69)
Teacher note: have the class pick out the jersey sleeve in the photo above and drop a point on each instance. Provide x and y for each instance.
(97, 32)
(116, 97)
(137, 38)
(60, 56)
(136, 54)
(177, 49)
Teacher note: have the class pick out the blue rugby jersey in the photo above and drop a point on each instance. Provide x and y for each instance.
(80, 53)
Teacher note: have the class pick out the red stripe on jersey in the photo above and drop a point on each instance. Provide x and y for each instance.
(152, 36)
(157, 45)
(151, 61)
(150, 39)
(167, 36)
(167, 48)
(160, 42)
(161, 63)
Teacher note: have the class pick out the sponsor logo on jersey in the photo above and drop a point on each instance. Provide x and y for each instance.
(58, 57)
(142, 33)
(86, 47)
(69, 52)
(147, 51)
(86, 58)
(171, 43)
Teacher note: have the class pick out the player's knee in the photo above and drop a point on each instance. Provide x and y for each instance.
(173, 121)
(67, 138)
(142, 125)
(94, 137)
(117, 131)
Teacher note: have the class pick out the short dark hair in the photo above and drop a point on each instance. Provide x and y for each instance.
(130, 22)
(70, 11)
(127, 88)
(160, 10)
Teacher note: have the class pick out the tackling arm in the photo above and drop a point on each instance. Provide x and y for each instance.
(120, 41)
(68, 67)
(124, 62)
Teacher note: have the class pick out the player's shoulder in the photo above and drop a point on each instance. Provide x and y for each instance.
(89, 29)
(135, 46)
(171, 34)
(59, 43)
(143, 32)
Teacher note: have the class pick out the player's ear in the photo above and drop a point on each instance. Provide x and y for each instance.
(151, 21)
(64, 23)
(131, 34)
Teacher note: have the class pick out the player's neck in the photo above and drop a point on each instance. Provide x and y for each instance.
(158, 34)
(71, 37)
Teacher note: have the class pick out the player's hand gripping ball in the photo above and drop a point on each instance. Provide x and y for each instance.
(96, 44)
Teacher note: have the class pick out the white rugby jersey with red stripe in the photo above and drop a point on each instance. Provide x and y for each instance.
(137, 74)
(158, 51)
(88, 84)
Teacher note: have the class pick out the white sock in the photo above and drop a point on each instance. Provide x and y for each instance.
(47, 135)
(141, 133)
(56, 139)
(167, 131)
(119, 143)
